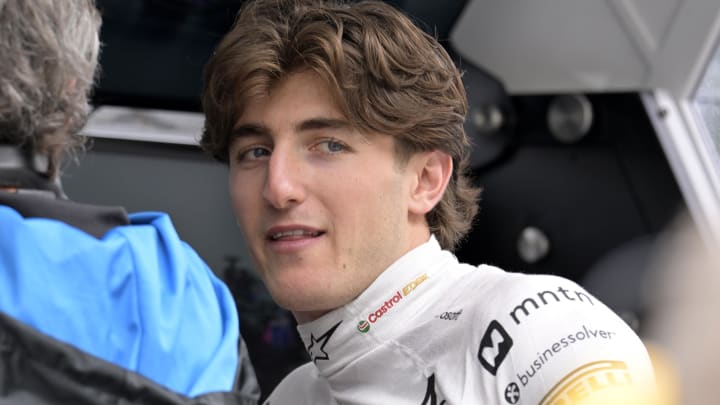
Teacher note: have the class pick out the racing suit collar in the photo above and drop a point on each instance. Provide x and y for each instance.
(339, 337)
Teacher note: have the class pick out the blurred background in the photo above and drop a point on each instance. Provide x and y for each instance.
(595, 123)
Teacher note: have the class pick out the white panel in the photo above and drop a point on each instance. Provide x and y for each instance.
(709, 89)
(656, 16)
(687, 48)
(137, 124)
(551, 45)
(646, 23)
(690, 159)
(555, 46)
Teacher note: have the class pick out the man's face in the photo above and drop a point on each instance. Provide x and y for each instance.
(324, 208)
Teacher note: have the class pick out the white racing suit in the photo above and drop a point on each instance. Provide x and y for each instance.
(431, 330)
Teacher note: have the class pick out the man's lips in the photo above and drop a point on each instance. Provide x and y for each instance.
(292, 232)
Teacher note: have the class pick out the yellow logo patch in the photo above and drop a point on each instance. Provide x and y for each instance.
(414, 284)
(588, 383)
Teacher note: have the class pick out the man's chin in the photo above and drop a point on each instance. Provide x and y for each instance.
(308, 316)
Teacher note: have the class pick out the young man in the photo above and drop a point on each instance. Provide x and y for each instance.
(95, 306)
(343, 128)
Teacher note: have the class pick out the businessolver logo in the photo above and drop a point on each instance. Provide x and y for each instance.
(494, 347)
(599, 382)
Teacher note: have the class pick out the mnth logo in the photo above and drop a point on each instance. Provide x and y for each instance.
(363, 326)
(494, 347)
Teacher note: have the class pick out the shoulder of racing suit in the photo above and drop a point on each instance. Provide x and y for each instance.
(543, 339)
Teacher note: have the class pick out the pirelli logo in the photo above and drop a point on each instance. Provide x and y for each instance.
(586, 381)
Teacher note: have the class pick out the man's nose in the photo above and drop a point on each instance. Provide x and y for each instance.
(284, 183)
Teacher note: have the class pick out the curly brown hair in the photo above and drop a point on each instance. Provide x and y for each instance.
(387, 76)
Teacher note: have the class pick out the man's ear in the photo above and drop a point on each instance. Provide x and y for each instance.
(432, 170)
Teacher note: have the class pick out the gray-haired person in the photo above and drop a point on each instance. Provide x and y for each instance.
(96, 306)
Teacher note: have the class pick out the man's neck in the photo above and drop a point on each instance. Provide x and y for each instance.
(308, 316)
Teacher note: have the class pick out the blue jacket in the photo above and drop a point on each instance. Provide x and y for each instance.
(137, 297)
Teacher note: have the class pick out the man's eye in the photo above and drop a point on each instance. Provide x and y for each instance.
(332, 146)
(253, 154)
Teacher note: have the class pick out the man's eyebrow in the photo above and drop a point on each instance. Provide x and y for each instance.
(248, 130)
(254, 129)
(322, 123)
